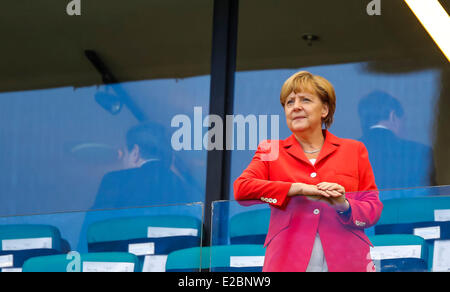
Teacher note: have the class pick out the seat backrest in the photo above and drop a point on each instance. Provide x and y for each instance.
(90, 262)
(151, 238)
(249, 227)
(143, 227)
(27, 236)
(410, 210)
(18, 243)
(399, 246)
(237, 258)
(189, 260)
(222, 258)
(400, 252)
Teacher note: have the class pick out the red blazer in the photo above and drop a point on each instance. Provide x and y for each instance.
(295, 220)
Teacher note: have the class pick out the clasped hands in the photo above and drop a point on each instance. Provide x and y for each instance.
(331, 193)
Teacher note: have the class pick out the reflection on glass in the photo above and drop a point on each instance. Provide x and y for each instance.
(66, 106)
(150, 175)
(61, 150)
(397, 162)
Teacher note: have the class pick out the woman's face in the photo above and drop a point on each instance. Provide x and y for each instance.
(304, 111)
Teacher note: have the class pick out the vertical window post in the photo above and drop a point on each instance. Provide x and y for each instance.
(223, 66)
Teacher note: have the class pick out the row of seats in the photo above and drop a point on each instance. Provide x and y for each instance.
(227, 258)
(231, 258)
(159, 243)
(147, 238)
(412, 235)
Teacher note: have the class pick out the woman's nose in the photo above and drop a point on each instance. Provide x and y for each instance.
(297, 105)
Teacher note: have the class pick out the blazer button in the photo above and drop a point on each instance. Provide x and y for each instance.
(316, 211)
(313, 175)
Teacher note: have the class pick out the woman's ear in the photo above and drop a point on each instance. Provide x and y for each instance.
(325, 110)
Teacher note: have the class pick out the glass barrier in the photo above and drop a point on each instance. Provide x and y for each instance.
(411, 234)
(97, 124)
(145, 239)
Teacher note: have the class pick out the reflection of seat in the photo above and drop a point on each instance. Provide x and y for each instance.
(428, 217)
(21, 242)
(223, 258)
(151, 238)
(249, 227)
(399, 253)
(94, 262)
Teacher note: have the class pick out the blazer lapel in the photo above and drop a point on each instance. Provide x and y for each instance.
(330, 145)
(293, 147)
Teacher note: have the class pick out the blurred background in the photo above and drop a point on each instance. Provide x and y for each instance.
(75, 91)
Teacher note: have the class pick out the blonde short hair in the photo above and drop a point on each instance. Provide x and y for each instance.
(304, 81)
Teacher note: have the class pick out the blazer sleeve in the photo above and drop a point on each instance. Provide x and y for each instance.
(365, 204)
(255, 184)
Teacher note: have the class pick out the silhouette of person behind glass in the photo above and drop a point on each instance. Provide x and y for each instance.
(397, 163)
(151, 177)
(148, 178)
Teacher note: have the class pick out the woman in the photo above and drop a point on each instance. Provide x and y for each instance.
(316, 224)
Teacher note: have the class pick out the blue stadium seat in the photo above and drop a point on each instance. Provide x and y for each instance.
(151, 238)
(237, 258)
(223, 258)
(19, 243)
(90, 262)
(188, 260)
(399, 253)
(249, 227)
(411, 210)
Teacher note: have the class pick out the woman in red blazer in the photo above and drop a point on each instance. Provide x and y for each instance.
(321, 188)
